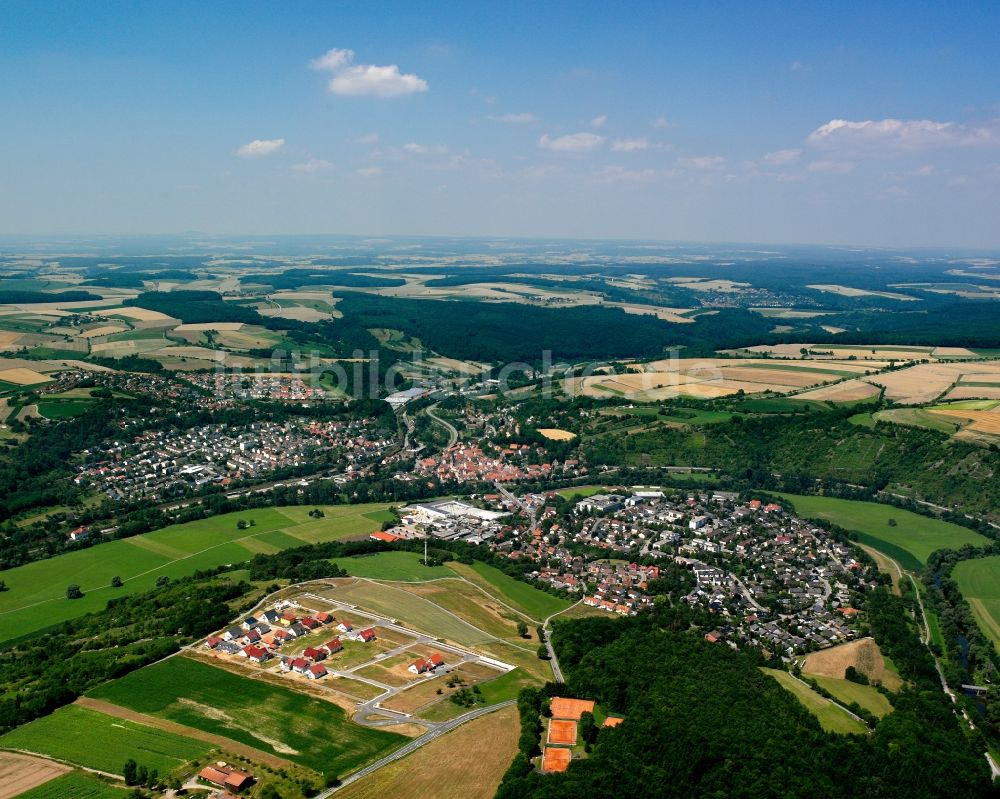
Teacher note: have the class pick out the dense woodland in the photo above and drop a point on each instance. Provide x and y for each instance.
(703, 720)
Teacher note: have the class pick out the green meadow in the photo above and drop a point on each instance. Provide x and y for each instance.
(36, 595)
(910, 541)
(979, 582)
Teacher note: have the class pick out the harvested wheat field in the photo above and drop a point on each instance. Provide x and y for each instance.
(986, 422)
(962, 392)
(298, 312)
(9, 337)
(841, 392)
(666, 314)
(864, 655)
(20, 773)
(104, 330)
(467, 763)
(142, 314)
(22, 376)
(926, 382)
(555, 434)
(209, 326)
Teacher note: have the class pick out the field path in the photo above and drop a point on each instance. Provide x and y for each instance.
(228, 744)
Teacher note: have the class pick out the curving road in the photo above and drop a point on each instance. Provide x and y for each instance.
(452, 430)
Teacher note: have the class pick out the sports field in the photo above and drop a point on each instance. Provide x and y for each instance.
(308, 731)
(979, 582)
(75, 785)
(36, 598)
(831, 717)
(910, 542)
(93, 740)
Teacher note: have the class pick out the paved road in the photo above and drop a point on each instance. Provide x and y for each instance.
(414, 745)
(452, 430)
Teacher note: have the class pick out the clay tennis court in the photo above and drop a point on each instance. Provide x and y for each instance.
(556, 759)
(572, 709)
(562, 732)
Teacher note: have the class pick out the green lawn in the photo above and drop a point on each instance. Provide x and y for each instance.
(403, 566)
(75, 785)
(536, 604)
(910, 542)
(831, 717)
(93, 740)
(311, 732)
(507, 686)
(36, 598)
(581, 491)
(979, 582)
(848, 692)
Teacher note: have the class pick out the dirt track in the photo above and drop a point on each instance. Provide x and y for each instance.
(227, 744)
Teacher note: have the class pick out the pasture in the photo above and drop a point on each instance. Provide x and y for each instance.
(75, 785)
(979, 582)
(93, 740)
(36, 595)
(311, 732)
(910, 542)
(467, 763)
(831, 717)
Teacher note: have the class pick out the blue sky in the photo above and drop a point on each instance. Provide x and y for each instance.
(848, 123)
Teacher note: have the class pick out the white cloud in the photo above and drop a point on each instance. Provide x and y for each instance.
(800, 66)
(832, 167)
(514, 119)
(703, 162)
(782, 157)
(259, 148)
(425, 149)
(369, 171)
(312, 166)
(924, 171)
(907, 135)
(356, 80)
(571, 142)
(599, 121)
(662, 123)
(368, 138)
(630, 145)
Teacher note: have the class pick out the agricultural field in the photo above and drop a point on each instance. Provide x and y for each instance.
(36, 595)
(311, 732)
(97, 741)
(910, 542)
(707, 378)
(75, 785)
(831, 717)
(20, 773)
(467, 763)
(928, 382)
(979, 582)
